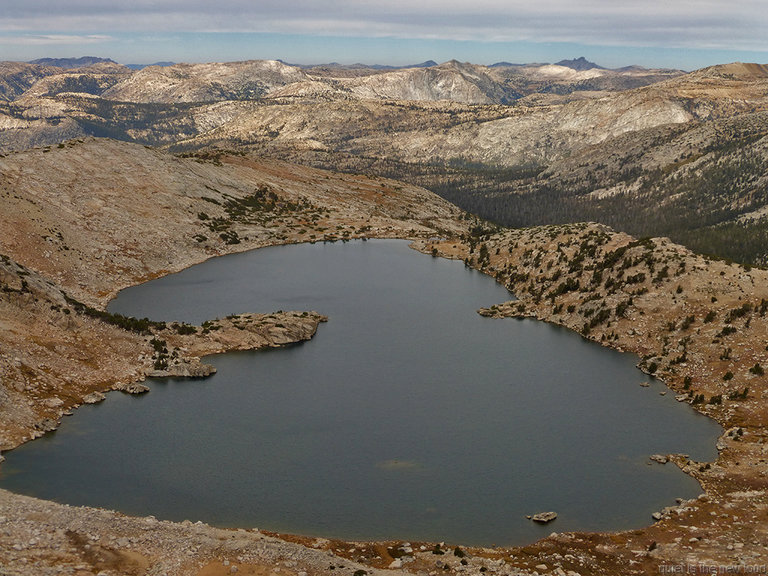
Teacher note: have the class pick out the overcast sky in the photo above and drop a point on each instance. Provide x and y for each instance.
(673, 33)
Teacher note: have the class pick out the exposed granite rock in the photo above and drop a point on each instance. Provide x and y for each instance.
(47, 425)
(544, 517)
(131, 388)
(94, 398)
(186, 368)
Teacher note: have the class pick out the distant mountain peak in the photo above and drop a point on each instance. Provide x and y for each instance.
(580, 64)
(72, 62)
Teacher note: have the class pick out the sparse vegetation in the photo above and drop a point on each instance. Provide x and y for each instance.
(140, 326)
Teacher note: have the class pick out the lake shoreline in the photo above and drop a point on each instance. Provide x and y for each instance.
(667, 528)
(50, 369)
(693, 325)
(404, 378)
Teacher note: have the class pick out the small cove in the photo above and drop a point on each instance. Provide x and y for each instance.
(407, 416)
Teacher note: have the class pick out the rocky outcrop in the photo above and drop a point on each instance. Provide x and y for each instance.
(450, 81)
(544, 517)
(94, 398)
(131, 387)
(177, 353)
(185, 368)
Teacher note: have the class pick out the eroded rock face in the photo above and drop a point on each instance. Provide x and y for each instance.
(187, 368)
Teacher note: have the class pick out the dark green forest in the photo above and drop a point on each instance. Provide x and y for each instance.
(709, 198)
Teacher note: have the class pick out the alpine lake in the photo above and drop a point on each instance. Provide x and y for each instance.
(408, 416)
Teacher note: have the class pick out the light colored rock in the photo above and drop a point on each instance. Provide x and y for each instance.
(47, 425)
(186, 368)
(94, 398)
(132, 388)
(544, 517)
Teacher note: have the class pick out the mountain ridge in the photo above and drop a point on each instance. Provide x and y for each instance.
(80, 62)
(505, 132)
(579, 64)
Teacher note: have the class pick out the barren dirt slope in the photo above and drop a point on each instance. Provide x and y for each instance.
(98, 215)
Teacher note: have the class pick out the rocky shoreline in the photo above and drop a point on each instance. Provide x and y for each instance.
(697, 324)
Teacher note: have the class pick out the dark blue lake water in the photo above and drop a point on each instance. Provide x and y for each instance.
(407, 416)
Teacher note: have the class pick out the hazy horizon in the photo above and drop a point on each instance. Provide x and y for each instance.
(308, 64)
(371, 64)
(656, 34)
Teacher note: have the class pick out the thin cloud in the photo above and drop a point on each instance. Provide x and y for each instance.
(739, 24)
(54, 39)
